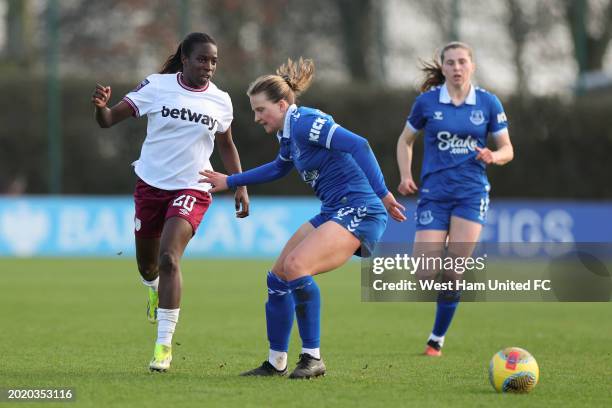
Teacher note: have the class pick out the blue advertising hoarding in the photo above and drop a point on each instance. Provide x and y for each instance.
(103, 226)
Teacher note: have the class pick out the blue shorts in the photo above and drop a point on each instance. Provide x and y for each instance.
(367, 223)
(436, 215)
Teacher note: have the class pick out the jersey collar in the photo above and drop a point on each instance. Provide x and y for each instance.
(285, 133)
(179, 79)
(445, 96)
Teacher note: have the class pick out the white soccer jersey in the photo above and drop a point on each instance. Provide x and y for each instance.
(182, 123)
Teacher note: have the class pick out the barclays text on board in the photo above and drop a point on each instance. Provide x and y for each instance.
(103, 226)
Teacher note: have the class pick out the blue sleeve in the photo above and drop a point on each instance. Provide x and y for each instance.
(417, 120)
(262, 174)
(315, 130)
(347, 141)
(498, 121)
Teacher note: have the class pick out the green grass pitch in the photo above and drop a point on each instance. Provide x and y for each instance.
(81, 324)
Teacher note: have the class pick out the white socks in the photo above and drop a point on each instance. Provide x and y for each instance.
(278, 359)
(152, 284)
(438, 339)
(315, 352)
(166, 323)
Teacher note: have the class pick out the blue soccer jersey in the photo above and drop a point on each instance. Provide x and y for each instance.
(338, 164)
(328, 167)
(452, 133)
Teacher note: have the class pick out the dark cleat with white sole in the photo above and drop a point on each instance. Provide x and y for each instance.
(265, 370)
(308, 367)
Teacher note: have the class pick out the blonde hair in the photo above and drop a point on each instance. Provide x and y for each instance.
(290, 81)
(433, 69)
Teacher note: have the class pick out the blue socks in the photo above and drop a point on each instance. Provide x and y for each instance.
(279, 313)
(300, 296)
(447, 303)
(307, 299)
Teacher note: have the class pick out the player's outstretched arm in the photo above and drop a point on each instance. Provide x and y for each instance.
(262, 174)
(105, 116)
(217, 180)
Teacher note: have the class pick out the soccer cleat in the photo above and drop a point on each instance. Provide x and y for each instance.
(308, 367)
(162, 357)
(433, 349)
(152, 304)
(265, 370)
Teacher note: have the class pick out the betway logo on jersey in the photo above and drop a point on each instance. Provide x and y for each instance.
(315, 130)
(455, 144)
(188, 115)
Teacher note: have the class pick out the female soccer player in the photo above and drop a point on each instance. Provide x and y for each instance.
(341, 168)
(186, 114)
(454, 194)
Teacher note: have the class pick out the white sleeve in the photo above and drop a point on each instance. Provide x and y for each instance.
(142, 97)
(225, 121)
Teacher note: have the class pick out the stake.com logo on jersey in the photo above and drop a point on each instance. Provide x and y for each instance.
(188, 115)
(456, 144)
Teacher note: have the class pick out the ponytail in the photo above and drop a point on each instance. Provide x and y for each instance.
(433, 75)
(173, 64)
(298, 75)
(291, 80)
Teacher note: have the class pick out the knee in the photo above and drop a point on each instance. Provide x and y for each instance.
(277, 270)
(449, 296)
(168, 262)
(294, 267)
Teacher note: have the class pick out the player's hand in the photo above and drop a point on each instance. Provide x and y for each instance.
(217, 180)
(485, 155)
(242, 201)
(407, 187)
(394, 208)
(101, 96)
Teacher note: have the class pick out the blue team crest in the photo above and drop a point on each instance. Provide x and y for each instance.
(310, 176)
(425, 217)
(477, 117)
(141, 85)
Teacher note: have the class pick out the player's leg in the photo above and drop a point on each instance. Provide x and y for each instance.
(429, 244)
(185, 210)
(324, 249)
(280, 310)
(175, 236)
(463, 236)
(150, 211)
(433, 224)
(147, 256)
(293, 242)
